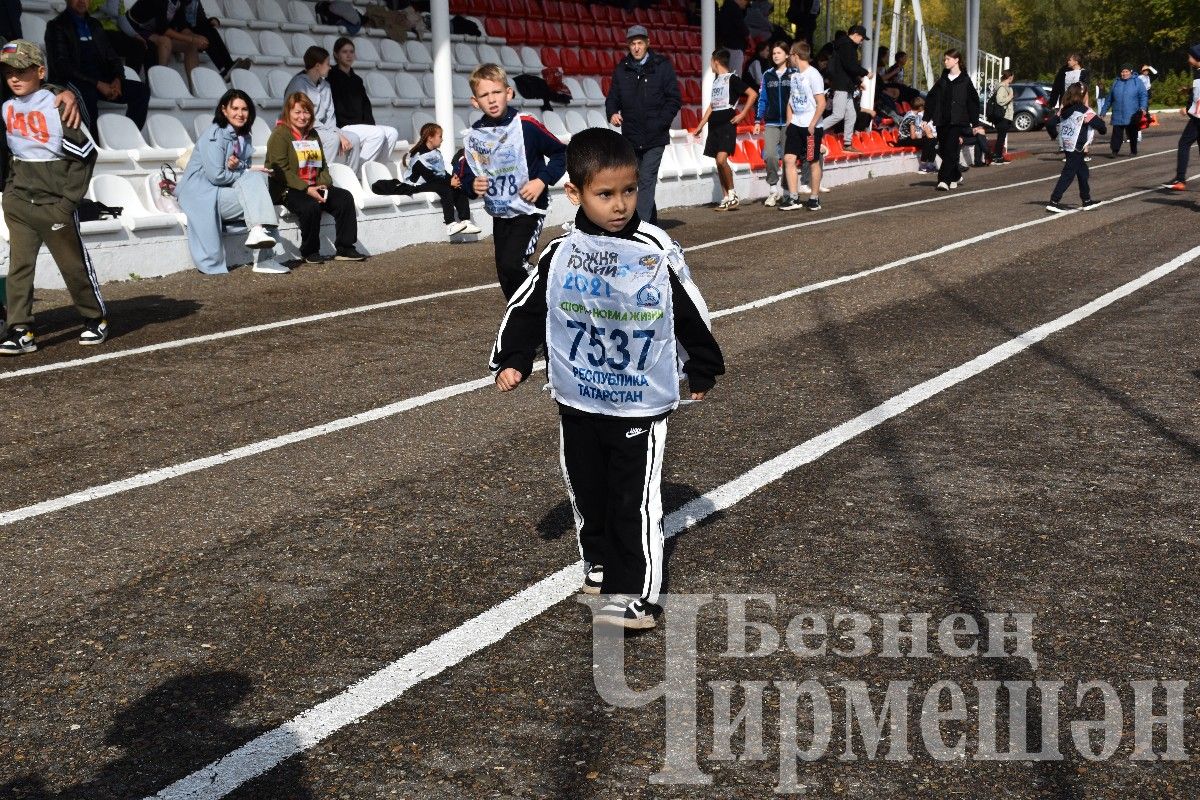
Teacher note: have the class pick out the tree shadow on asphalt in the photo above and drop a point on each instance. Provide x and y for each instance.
(1176, 202)
(125, 316)
(560, 520)
(177, 728)
(1057, 779)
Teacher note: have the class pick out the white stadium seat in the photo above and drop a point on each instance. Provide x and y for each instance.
(419, 59)
(209, 86)
(168, 133)
(242, 45)
(364, 198)
(510, 59)
(574, 120)
(487, 55)
(303, 13)
(460, 89)
(380, 89)
(408, 91)
(249, 83)
(367, 57)
(117, 132)
(465, 58)
(216, 9)
(419, 118)
(532, 60)
(300, 43)
(554, 123)
(591, 87)
(274, 45)
(277, 82)
(392, 54)
(167, 89)
(273, 17)
(596, 119)
(113, 190)
(576, 90)
(260, 131)
(33, 28)
(239, 11)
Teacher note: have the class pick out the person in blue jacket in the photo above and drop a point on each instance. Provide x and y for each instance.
(771, 119)
(1127, 96)
(219, 186)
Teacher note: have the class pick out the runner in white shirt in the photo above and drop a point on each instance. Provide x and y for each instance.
(806, 106)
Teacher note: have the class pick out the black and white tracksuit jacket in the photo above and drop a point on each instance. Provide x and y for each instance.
(612, 465)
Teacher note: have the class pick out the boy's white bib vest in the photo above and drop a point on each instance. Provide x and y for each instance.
(720, 92)
(34, 129)
(432, 160)
(1194, 106)
(1070, 129)
(610, 330)
(801, 99)
(498, 154)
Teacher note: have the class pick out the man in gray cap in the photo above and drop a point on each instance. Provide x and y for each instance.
(846, 73)
(642, 102)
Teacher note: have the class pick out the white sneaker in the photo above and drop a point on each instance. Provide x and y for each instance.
(954, 184)
(258, 238)
(943, 186)
(772, 199)
(454, 228)
(804, 189)
(270, 266)
(826, 188)
(733, 200)
(470, 228)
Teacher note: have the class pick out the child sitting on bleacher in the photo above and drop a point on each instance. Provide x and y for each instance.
(512, 161)
(722, 118)
(425, 171)
(916, 132)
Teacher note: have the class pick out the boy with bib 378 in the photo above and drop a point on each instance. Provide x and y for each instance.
(510, 160)
(620, 318)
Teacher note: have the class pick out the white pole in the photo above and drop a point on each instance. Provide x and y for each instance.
(443, 86)
(867, 101)
(919, 33)
(894, 40)
(708, 43)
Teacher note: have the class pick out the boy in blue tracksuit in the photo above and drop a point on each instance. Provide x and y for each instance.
(771, 119)
(1074, 127)
(1127, 96)
(511, 160)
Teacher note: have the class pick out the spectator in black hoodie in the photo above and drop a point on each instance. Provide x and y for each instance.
(642, 101)
(952, 105)
(845, 76)
(732, 33)
(79, 53)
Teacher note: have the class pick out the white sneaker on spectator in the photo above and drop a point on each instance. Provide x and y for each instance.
(270, 266)
(803, 189)
(259, 238)
(954, 184)
(455, 228)
(772, 198)
(826, 188)
(470, 228)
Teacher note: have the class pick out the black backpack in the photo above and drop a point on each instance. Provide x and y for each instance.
(993, 111)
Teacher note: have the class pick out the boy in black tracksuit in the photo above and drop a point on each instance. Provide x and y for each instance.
(615, 307)
(512, 161)
(1074, 128)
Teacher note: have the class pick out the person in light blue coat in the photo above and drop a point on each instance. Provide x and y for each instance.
(1127, 96)
(219, 186)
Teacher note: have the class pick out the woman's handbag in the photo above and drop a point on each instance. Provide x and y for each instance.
(162, 188)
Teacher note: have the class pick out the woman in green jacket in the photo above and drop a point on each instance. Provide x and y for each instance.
(300, 181)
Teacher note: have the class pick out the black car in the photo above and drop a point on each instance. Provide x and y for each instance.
(1031, 106)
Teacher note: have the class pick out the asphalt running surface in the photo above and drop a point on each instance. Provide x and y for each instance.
(213, 533)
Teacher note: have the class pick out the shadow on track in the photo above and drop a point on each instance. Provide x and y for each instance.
(180, 726)
(126, 316)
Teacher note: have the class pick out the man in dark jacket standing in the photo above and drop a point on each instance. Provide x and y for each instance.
(845, 76)
(732, 33)
(642, 102)
(79, 53)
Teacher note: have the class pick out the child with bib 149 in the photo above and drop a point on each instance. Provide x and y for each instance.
(620, 318)
(511, 161)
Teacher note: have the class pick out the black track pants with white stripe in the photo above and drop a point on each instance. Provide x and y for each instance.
(30, 225)
(613, 471)
(515, 240)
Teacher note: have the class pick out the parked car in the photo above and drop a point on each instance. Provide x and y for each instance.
(1031, 106)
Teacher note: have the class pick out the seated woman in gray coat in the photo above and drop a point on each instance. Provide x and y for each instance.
(219, 186)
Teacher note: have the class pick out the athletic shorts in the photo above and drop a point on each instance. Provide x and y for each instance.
(800, 144)
(722, 138)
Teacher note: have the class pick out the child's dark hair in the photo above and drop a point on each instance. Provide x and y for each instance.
(721, 56)
(1008, 73)
(1075, 93)
(227, 100)
(918, 103)
(597, 149)
(315, 55)
(428, 131)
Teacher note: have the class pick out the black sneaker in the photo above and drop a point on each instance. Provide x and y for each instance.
(1086, 204)
(313, 258)
(632, 614)
(95, 331)
(789, 203)
(348, 254)
(17, 342)
(813, 204)
(1056, 208)
(592, 579)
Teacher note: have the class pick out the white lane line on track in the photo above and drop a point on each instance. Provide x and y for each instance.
(372, 693)
(166, 473)
(287, 323)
